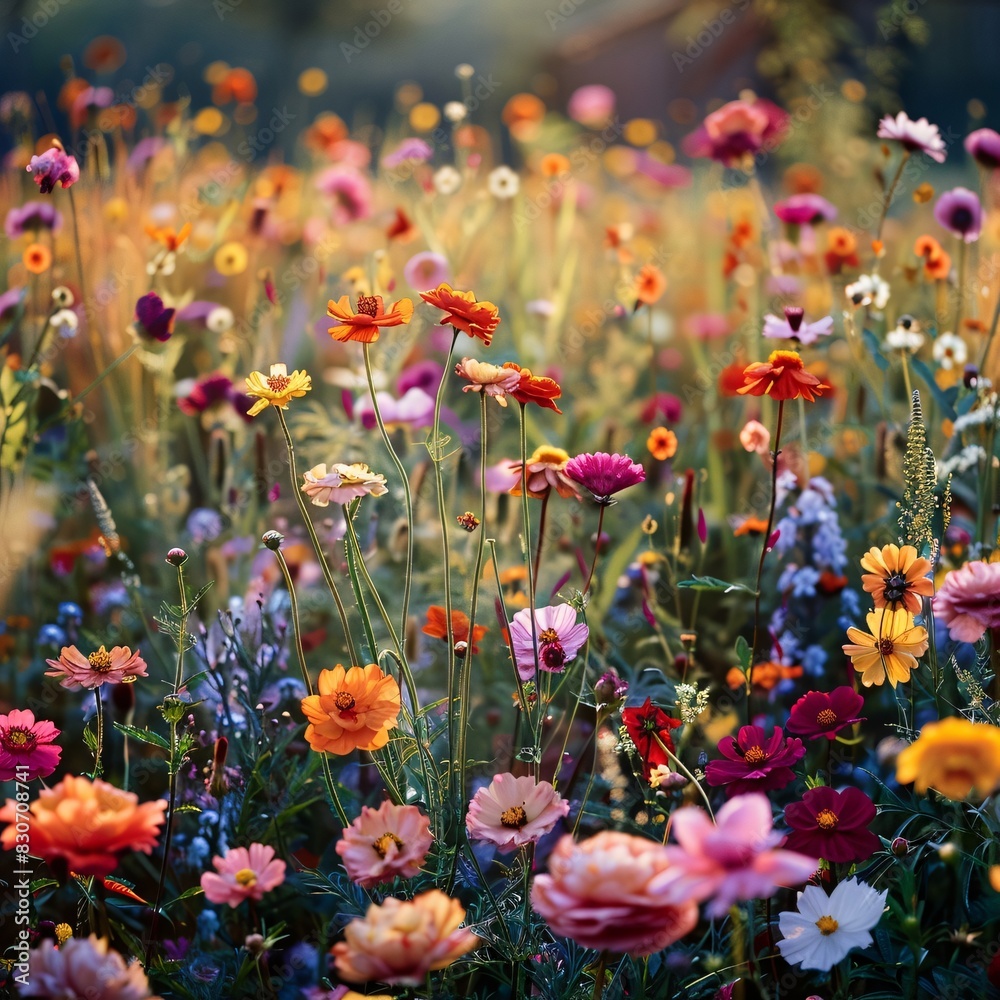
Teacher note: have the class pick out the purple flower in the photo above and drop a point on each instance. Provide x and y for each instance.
(144, 151)
(794, 328)
(415, 409)
(559, 637)
(153, 321)
(424, 375)
(54, 166)
(755, 762)
(959, 211)
(915, 136)
(805, 210)
(610, 688)
(426, 270)
(604, 474)
(983, 146)
(32, 216)
(410, 149)
(9, 302)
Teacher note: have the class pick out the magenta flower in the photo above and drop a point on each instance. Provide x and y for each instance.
(604, 474)
(559, 636)
(384, 843)
(733, 859)
(27, 747)
(793, 326)
(736, 129)
(983, 146)
(243, 874)
(511, 812)
(754, 761)
(914, 136)
(833, 825)
(967, 601)
(351, 193)
(591, 105)
(960, 212)
(819, 714)
(54, 166)
(805, 210)
(410, 150)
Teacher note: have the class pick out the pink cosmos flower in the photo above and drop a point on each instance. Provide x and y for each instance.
(559, 637)
(915, 136)
(117, 666)
(54, 166)
(351, 193)
(384, 843)
(511, 812)
(806, 209)
(27, 747)
(613, 892)
(491, 379)
(342, 484)
(604, 474)
(414, 409)
(83, 967)
(755, 437)
(736, 857)
(983, 146)
(754, 761)
(961, 213)
(968, 601)
(738, 128)
(591, 105)
(792, 326)
(243, 874)
(426, 270)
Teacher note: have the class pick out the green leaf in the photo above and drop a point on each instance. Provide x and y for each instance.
(713, 583)
(143, 735)
(744, 653)
(871, 342)
(90, 738)
(945, 398)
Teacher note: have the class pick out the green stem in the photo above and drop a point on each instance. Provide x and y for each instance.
(599, 976)
(98, 766)
(960, 286)
(597, 549)
(353, 555)
(887, 201)
(296, 627)
(991, 335)
(332, 789)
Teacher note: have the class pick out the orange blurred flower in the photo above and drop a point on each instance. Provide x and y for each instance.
(168, 236)
(354, 710)
(535, 388)
(662, 443)
(763, 676)
(649, 285)
(37, 258)
(237, 85)
(463, 312)
(522, 114)
(751, 526)
(363, 325)
(437, 627)
(781, 377)
(937, 260)
(841, 241)
(953, 756)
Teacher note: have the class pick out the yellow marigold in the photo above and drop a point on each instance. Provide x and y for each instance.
(953, 756)
(891, 649)
(277, 389)
(354, 710)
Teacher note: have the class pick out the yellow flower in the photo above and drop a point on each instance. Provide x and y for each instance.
(890, 652)
(230, 259)
(953, 756)
(277, 389)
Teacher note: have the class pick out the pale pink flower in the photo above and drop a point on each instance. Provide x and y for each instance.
(384, 843)
(399, 942)
(969, 600)
(342, 483)
(511, 812)
(558, 634)
(612, 892)
(735, 858)
(117, 666)
(243, 874)
(491, 379)
(27, 747)
(83, 967)
(755, 437)
(914, 136)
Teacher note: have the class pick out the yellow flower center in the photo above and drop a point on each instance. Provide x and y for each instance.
(16, 738)
(246, 877)
(785, 359)
(100, 661)
(514, 818)
(826, 819)
(368, 304)
(548, 455)
(278, 383)
(381, 844)
(755, 755)
(345, 701)
(549, 635)
(827, 926)
(827, 717)
(63, 933)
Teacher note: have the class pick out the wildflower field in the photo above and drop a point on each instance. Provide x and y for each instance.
(502, 550)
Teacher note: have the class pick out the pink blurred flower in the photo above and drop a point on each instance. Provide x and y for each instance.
(511, 812)
(706, 326)
(27, 747)
(243, 874)
(737, 128)
(591, 105)
(414, 409)
(613, 892)
(968, 601)
(117, 666)
(983, 146)
(806, 209)
(559, 637)
(604, 474)
(351, 193)
(914, 136)
(960, 212)
(384, 843)
(54, 166)
(83, 967)
(755, 437)
(736, 857)
(426, 270)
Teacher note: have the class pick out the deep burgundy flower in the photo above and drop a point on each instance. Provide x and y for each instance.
(833, 825)
(819, 714)
(983, 146)
(604, 474)
(644, 725)
(153, 320)
(755, 762)
(960, 212)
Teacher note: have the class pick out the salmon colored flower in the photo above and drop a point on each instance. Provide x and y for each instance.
(937, 261)
(354, 710)
(243, 873)
(277, 389)
(400, 942)
(117, 666)
(545, 470)
(86, 824)
(83, 967)
(27, 747)
(649, 285)
(612, 893)
(342, 484)
(535, 388)
(896, 577)
(486, 378)
(385, 843)
(891, 649)
(463, 312)
(363, 326)
(781, 377)
(513, 811)
(954, 757)
(436, 626)
(755, 437)
(662, 443)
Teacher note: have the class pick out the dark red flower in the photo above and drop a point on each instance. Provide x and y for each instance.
(153, 320)
(833, 825)
(644, 725)
(755, 762)
(819, 714)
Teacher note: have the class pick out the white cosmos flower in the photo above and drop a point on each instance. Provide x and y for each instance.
(869, 289)
(447, 180)
(950, 350)
(503, 182)
(220, 319)
(825, 928)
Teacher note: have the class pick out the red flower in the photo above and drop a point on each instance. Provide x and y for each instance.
(463, 312)
(644, 725)
(782, 376)
(535, 388)
(819, 714)
(832, 825)
(437, 626)
(755, 762)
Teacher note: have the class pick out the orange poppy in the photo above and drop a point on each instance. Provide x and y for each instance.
(751, 526)
(363, 325)
(168, 236)
(841, 241)
(662, 443)
(463, 312)
(354, 710)
(767, 675)
(649, 285)
(437, 627)
(781, 377)
(37, 258)
(937, 260)
(535, 388)
(237, 85)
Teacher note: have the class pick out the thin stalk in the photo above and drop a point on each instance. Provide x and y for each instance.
(990, 335)
(960, 286)
(887, 201)
(597, 549)
(99, 749)
(541, 539)
(296, 628)
(352, 572)
(332, 789)
(599, 976)
(680, 767)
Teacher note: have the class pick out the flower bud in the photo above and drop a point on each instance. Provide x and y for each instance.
(177, 557)
(273, 540)
(900, 847)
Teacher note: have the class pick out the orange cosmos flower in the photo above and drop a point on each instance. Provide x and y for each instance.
(751, 526)
(841, 241)
(535, 388)
(363, 325)
(463, 312)
(662, 443)
(953, 756)
(896, 577)
(168, 236)
(937, 261)
(437, 627)
(650, 284)
(781, 377)
(37, 258)
(354, 710)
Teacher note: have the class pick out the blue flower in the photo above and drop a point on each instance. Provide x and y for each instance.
(814, 660)
(51, 635)
(208, 924)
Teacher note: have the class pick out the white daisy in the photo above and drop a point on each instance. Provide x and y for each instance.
(826, 928)
(447, 180)
(914, 135)
(455, 111)
(950, 350)
(869, 289)
(503, 182)
(220, 319)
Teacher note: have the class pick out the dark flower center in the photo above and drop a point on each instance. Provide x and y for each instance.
(553, 656)
(381, 844)
(755, 755)
(794, 315)
(513, 818)
(278, 383)
(368, 304)
(826, 819)
(885, 647)
(345, 701)
(961, 219)
(18, 740)
(827, 717)
(895, 588)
